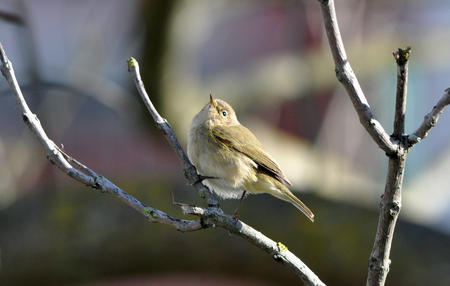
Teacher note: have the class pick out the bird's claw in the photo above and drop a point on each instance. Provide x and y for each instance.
(201, 178)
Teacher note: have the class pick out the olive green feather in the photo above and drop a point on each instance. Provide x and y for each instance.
(241, 139)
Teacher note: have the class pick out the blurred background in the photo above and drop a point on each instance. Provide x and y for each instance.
(271, 61)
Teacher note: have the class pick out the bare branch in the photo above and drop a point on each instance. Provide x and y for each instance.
(278, 251)
(86, 176)
(346, 76)
(389, 210)
(210, 217)
(401, 57)
(393, 146)
(391, 200)
(430, 119)
(190, 171)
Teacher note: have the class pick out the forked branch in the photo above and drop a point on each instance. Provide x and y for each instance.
(78, 171)
(391, 201)
(396, 146)
(209, 217)
(346, 76)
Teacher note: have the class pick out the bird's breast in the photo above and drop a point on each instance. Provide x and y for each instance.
(215, 159)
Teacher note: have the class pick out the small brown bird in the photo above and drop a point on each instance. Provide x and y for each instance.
(231, 159)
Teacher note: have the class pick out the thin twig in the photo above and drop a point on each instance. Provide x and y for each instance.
(430, 119)
(346, 76)
(12, 18)
(78, 165)
(189, 170)
(212, 216)
(86, 176)
(401, 57)
(392, 199)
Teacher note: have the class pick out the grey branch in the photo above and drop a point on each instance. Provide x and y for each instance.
(430, 119)
(401, 57)
(190, 171)
(390, 204)
(213, 216)
(395, 146)
(392, 145)
(389, 210)
(392, 199)
(277, 250)
(210, 217)
(79, 172)
(346, 76)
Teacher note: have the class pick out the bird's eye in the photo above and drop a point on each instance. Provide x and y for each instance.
(224, 113)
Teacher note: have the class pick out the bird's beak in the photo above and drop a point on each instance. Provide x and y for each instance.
(211, 100)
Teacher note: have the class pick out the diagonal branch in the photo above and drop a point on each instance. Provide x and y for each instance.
(190, 171)
(210, 217)
(81, 173)
(346, 76)
(430, 119)
(276, 249)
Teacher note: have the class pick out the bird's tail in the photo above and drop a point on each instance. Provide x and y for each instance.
(267, 184)
(288, 196)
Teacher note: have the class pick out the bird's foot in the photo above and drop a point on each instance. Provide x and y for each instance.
(235, 214)
(201, 178)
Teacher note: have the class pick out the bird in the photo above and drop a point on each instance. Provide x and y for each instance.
(231, 161)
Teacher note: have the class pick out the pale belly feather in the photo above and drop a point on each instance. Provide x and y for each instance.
(230, 169)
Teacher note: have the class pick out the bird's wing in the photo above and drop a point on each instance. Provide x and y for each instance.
(242, 140)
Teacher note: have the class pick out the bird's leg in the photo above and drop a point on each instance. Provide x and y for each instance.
(201, 178)
(235, 215)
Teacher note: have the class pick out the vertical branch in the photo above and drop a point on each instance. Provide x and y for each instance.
(389, 210)
(401, 57)
(391, 200)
